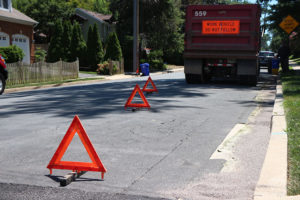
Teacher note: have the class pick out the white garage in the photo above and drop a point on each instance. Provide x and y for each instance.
(4, 39)
(22, 41)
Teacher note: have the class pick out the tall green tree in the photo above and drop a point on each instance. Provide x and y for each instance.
(66, 40)
(55, 50)
(113, 49)
(90, 52)
(99, 53)
(78, 45)
(95, 51)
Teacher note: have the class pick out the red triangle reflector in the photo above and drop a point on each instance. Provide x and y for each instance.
(145, 103)
(56, 163)
(153, 86)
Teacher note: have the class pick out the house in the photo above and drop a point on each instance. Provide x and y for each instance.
(88, 18)
(16, 29)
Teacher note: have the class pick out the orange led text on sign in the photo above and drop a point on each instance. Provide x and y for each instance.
(221, 27)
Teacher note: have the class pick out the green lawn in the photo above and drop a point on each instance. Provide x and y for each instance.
(291, 94)
(297, 60)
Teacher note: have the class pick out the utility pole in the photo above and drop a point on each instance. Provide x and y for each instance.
(135, 35)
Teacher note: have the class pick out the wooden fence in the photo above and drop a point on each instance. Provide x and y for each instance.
(19, 73)
(116, 67)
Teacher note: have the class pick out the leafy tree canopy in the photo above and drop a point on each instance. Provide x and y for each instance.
(161, 25)
(277, 13)
(46, 12)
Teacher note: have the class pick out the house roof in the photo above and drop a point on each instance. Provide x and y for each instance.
(16, 16)
(96, 15)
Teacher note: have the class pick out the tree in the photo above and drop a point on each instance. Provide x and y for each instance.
(90, 47)
(66, 41)
(99, 53)
(276, 14)
(20, 4)
(264, 42)
(55, 50)
(95, 52)
(113, 49)
(78, 45)
(101, 6)
(47, 13)
(202, 2)
(161, 25)
(276, 41)
(85, 4)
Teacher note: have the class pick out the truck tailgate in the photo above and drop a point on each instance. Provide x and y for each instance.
(213, 30)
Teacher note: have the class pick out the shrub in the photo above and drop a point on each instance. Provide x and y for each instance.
(39, 54)
(103, 68)
(115, 69)
(113, 49)
(155, 59)
(12, 53)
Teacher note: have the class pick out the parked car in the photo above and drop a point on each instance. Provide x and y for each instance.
(3, 74)
(265, 59)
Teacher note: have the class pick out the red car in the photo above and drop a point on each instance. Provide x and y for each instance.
(3, 74)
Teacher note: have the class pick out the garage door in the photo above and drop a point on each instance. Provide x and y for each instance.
(4, 39)
(22, 41)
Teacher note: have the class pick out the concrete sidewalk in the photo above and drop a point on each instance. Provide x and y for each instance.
(272, 184)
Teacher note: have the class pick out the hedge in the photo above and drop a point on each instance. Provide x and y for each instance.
(12, 53)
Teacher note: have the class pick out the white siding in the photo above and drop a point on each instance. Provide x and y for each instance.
(22, 41)
(4, 39)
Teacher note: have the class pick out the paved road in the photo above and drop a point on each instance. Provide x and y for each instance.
(161, 153)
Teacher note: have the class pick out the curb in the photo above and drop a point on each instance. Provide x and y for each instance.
(273, 178)
(272, 183)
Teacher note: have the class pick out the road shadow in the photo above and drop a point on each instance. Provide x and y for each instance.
(101, 98)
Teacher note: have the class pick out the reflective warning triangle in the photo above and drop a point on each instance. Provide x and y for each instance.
(56, 163)
(137, 105)
(153, 86)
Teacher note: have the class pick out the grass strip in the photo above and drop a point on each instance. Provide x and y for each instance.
(88, 72)
(291, 94)
(297, 60)
(50, 83)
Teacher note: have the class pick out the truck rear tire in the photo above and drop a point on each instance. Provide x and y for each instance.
(2, 83)
(250, 80)
(193, 78)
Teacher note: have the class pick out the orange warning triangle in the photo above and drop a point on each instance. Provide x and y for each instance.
(137, 105)
(153, 85)
(56, 163)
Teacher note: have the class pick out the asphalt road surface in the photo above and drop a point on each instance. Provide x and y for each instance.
(175, 150)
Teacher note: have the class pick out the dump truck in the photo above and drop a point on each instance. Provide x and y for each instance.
(222, 41)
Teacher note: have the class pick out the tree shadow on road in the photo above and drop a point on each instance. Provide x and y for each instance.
(102, 98)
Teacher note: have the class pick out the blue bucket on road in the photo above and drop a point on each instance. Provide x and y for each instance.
(275, 66)
(145, 69)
